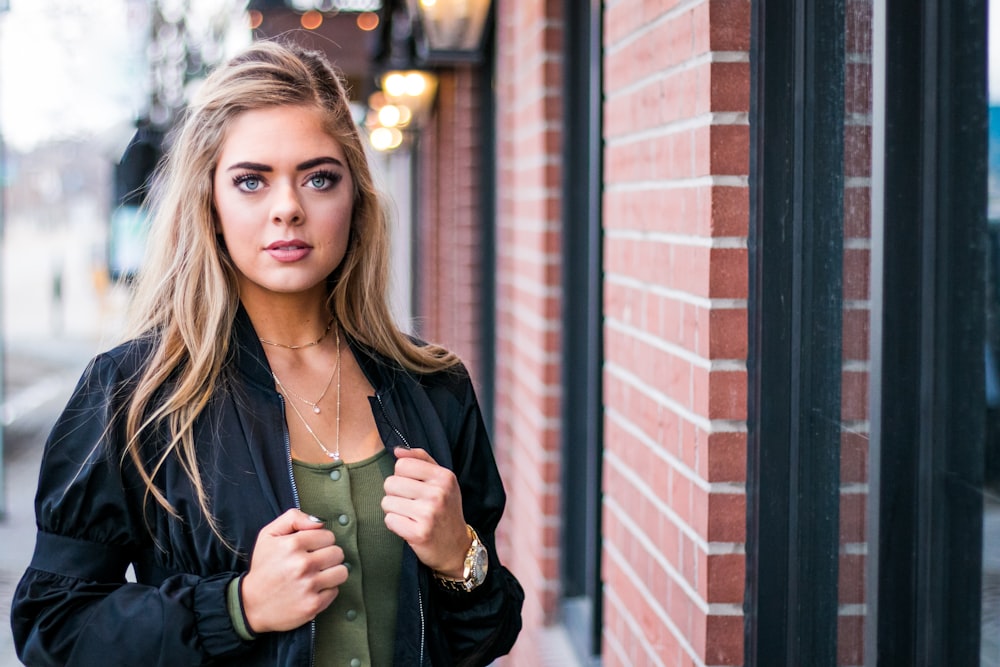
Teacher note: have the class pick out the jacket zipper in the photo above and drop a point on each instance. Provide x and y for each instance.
(298, 504)
(420, 595)
(388, 421)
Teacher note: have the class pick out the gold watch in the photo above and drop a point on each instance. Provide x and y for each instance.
(474, 572)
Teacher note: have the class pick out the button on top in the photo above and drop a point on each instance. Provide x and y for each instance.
(351, 614)
(335, 474)
(343, 519)
(355, 662)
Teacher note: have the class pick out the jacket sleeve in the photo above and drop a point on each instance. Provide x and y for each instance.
(483, 624)
(73, 605)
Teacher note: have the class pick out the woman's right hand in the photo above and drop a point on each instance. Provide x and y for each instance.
(295, 571)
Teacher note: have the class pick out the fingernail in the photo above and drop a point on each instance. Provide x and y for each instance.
(316, 519)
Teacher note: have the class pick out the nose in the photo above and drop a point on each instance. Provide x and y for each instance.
(287, 208)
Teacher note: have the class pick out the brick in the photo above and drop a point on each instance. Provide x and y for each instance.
(850, 640)
(853, 457)
(727, 457)
(729, 273)
(851, 579)
(857, 273)
(857, 334)
(852, 518)
(724, 640)
(729, 150)
(729, 25)
(857, 212)
(726, 578)
(854, 396)
(730, 211)
(730, 85)
(727, 516)
(727, 395)
(728, 333)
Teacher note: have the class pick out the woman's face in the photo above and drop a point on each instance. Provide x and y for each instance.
(284, 198)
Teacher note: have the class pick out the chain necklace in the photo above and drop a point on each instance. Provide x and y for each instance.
(315, 404)
(335, 454)
(299, 347)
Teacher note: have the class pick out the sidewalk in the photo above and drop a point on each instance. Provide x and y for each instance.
(40, 376)
(58, 310)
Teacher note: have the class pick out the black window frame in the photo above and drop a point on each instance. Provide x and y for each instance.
(795, 331)
(582, 411)
(928, 310)
(927, 408)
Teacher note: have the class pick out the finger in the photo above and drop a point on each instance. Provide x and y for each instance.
(314, 540)
(293, 521)
(403, 526)
(332, 577)
(419, 454)
(424, 471)
(403, 487)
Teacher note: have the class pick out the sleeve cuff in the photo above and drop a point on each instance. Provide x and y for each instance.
(237, 614)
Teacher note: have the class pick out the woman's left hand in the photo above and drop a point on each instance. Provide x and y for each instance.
(423, 505)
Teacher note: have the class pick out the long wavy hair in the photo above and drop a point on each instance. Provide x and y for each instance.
(186, 295)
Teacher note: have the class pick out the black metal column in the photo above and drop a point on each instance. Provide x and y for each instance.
(796, 284)
(928, 410)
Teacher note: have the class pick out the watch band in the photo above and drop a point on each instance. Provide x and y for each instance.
(474, 571)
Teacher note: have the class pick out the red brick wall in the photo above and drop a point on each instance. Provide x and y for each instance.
(529, 112)
(676, 222)
(449, 236)
(675, 213)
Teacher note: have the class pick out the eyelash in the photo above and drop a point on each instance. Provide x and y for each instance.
(332, 178)
(240, 179)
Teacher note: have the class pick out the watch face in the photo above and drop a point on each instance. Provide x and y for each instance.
(480, 565)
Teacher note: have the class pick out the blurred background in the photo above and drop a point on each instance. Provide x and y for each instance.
(88, 94)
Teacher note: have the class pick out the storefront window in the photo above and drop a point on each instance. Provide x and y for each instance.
(990, 653)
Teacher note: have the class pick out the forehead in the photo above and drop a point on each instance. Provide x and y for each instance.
(280, 132)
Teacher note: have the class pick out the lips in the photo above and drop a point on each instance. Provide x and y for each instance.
(288, 251)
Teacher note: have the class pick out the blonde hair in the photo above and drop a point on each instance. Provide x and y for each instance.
(186, 295)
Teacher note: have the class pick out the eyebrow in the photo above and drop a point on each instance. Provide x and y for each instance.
(302, 166)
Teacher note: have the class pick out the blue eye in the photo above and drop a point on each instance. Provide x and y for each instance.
(323, 180)
(247, 182)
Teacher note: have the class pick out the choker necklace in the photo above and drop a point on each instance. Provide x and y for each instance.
(299, 347)
(335, 454)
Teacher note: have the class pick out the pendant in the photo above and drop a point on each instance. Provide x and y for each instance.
(316, 409)
(334, 455)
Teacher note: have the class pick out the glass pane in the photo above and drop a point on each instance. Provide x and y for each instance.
(856, 328)
(990, 649)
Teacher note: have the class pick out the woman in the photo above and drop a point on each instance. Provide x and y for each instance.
(292, 480)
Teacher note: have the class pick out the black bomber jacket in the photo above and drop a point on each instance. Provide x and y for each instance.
(73, 606)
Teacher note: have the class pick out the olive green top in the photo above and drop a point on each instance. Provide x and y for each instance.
(359, 628)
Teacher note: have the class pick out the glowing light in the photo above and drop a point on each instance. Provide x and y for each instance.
(386, 138)
(312, 20)
(394, 85)
(405, 114)
(428, 3)
(389, 115)
(368, 21)
(416, 84)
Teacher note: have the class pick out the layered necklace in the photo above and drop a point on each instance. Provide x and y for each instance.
(335, 453)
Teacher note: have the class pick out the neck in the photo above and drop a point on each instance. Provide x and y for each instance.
(289, 321)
